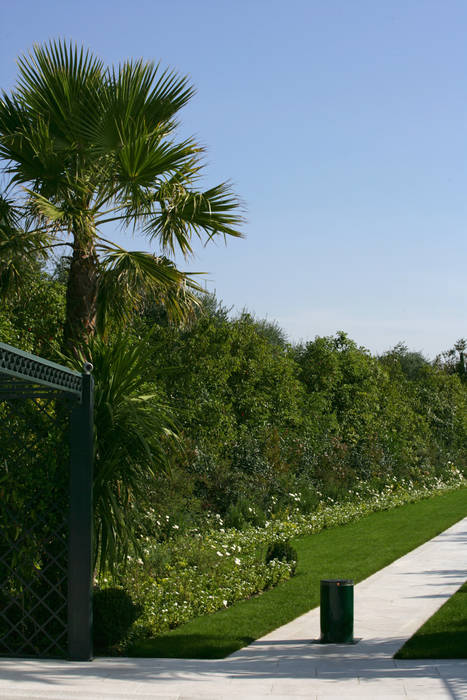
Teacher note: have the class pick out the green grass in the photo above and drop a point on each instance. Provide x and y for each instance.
(354, 551)
(444, 635)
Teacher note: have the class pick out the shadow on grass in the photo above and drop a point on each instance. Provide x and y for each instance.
(437, 645)
(444, 635)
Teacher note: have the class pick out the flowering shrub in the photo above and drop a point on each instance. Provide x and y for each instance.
(202, 571)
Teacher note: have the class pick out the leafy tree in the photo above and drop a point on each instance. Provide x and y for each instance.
(224, 373)
(33, 321)
(345, 376)
(441, 397)
(86, 145)
(410, 362)
(454, 361)
(270, 330)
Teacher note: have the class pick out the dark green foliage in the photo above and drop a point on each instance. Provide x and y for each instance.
(258, 420)
(394, 416)
(33, 321)
(238, 401)
(113, 614)
(133, 441)
(283, 551)
(34, 479)
(410, 362)
(270, 330)
(261, 419)
(454, 361)
(244, 511)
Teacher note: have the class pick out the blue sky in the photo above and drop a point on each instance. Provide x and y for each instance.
(343, 126)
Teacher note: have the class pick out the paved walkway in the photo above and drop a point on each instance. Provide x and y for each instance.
(389, 608)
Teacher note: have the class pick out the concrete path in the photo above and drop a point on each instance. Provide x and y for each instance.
(389, 607)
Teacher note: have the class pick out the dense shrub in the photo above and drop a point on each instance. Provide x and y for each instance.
(244, 512)
(282, 551)
(260, 423)
(261, 420)
(113, 615)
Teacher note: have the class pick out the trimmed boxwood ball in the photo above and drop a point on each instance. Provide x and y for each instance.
(114, 613)
(282, 551)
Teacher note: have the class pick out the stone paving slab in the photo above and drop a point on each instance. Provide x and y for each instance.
(389, 607)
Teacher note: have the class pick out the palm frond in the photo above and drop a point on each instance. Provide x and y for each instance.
(25, 143)
(137, 99)
(127, 277)
(184, 212)
(34, 152)
(62, 83)
(143, 159)
(14, 126)
(43, 208)
(139, 90)
(21, 249)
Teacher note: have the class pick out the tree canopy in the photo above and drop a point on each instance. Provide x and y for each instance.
(84, 145)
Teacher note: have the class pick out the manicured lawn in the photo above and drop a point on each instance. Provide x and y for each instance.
(353, 551)
(444, 635)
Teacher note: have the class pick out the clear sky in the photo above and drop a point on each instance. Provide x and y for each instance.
(343, 126)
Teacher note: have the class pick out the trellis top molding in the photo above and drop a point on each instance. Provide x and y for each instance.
(31, 368)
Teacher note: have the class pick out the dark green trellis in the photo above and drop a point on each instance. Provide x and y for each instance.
(46, 451)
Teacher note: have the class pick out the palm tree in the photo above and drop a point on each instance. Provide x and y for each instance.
(85, 145)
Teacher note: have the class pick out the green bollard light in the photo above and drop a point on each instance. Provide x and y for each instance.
(336, 611)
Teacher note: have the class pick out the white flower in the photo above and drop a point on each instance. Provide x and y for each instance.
(219, 554)
(176, 527)
(225, 603)
(237, 560)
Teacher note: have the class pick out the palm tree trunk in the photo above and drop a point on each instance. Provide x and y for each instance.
(81, 297)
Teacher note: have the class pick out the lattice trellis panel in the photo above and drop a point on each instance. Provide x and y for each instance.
(34, 488)
(46, 453)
